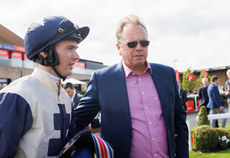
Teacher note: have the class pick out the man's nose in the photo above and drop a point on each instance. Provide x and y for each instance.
(76, 56)
(139, 47)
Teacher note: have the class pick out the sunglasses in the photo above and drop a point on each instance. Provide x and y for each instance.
(133, 44)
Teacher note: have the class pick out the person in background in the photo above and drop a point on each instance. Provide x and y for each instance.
(215, 103)
(203, 94)
(70, 90)
(183, 95)
(141, 110)
(35, 112)
(227, 88)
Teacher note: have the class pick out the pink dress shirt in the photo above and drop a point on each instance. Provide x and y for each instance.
(149, 137)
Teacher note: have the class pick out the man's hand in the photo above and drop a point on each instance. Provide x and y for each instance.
(228, 92)
(221, 109)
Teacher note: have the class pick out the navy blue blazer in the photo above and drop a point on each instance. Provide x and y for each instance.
(214, 96)
(107, 92)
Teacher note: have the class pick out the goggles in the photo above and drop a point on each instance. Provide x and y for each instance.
(133, 44)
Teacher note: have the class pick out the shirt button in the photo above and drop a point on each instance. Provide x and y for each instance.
(139, 79)
(155, 155)
(154, 139)
(143, 92)
(146, 108)
(150, 123)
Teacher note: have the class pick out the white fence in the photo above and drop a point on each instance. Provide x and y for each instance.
(217, 116)
(196, 100)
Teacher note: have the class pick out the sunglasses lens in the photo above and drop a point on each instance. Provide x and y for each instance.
(144, 43)
(132, 44)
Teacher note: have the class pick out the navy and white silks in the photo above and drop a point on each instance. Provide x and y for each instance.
(34, 122)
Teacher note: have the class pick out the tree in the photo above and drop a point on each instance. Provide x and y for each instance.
(186, 84)
(199, 80)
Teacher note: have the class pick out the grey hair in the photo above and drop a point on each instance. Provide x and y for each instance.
(131, 19)
(228, 71)
(204, 79)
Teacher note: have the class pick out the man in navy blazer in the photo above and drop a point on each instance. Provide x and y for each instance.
(141, 110)
(214, 103)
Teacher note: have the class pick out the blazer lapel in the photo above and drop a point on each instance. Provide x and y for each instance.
(119, 85)
(162, 92)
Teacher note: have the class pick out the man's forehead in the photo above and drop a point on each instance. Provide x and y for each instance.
(68, 89)
(67, 43)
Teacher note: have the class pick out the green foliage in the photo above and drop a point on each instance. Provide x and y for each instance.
(205, 138)
(199, 80)
(223, 138)
(202, 117)
(214, 154)
(81, 92)
(223, 97)
(191, 98)
(186, 84)
(228, 136)
(218, 154)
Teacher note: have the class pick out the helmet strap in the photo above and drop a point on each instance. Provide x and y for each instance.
(51, 60)
(59, 75)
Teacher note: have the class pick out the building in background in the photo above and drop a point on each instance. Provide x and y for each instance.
(219, 71)
(14, 63)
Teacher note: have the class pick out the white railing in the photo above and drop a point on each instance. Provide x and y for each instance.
(217, 116)
(189, 136)
(195, 99)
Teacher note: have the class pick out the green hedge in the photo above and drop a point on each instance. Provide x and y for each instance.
(205, 138)
(223, 138)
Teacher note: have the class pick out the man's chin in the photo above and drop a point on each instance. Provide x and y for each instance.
(68, 73)
(140, 63)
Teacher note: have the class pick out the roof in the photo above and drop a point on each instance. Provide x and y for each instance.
(8, 37)
(219, 68)
(212, 69)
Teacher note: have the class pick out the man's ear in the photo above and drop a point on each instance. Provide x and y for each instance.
(118, 48)
(43, 54)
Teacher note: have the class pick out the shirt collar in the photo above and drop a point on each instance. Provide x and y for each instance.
(54, 78)
(128, 71)
(214, 83)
